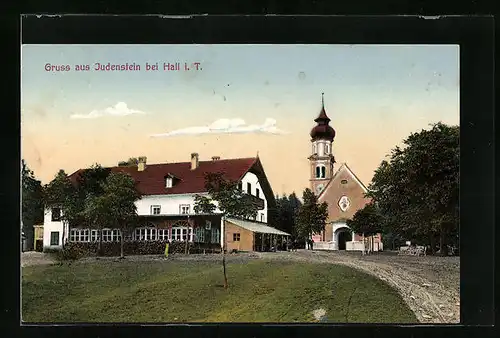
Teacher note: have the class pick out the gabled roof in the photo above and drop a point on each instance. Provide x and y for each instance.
(151, 181)
(344, 166)
(256, 227)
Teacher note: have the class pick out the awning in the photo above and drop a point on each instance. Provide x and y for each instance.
(256, 227)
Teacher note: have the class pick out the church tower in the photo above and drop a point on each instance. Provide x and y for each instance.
(321, 159)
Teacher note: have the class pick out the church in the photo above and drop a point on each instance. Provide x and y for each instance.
(341, 189)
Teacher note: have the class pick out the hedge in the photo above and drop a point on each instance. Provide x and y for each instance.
(76, 250)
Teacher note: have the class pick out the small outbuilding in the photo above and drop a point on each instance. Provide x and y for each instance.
(245, 235)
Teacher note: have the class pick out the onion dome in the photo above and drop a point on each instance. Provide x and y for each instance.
(322, 130)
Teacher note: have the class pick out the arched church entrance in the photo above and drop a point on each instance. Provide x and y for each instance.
(342, 236)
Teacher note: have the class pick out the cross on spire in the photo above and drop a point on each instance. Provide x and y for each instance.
(323, 100)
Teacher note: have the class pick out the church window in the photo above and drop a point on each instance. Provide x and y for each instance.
(327, 149)
(323, 172)
(318, 172)
(249, 188)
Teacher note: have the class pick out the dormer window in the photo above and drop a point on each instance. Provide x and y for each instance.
(168, 182)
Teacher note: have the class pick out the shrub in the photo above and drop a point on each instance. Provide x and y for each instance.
(76, 250)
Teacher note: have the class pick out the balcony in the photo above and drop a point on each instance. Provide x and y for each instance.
(256, 201)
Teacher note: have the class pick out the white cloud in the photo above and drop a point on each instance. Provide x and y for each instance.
(119, 109)
(227, 126)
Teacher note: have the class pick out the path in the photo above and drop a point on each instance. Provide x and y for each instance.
(429, 285)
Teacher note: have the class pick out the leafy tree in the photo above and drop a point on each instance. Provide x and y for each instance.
(132, 161)
(89, 181)
(73, 196)
(366, 221)
(203, 205)
(287, 207)
(229, 199)
(311, 216)
(61, 193)
(32, 202)
(115, 207)
(417, 189)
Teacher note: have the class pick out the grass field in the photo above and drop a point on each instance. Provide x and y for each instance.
(183, 291)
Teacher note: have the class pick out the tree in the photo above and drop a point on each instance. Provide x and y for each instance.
(311, 216)
(132, 161)
(32, 201)
(61, 193)
(229, 199)
(417, 189)
(287, 207)
(120, 189)
(366, 221)
(115, 207)
(72, 196)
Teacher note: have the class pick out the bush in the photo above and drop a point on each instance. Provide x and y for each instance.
(76, 250)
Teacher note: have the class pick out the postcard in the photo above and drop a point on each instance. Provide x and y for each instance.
(240, 183)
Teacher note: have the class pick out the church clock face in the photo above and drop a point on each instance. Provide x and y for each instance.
(344, 203)
(319, 188)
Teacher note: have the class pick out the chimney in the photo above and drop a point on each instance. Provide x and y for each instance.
(194, 161)
(215, 158)
(141, 163)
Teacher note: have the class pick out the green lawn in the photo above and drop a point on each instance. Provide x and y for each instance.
(176, 291)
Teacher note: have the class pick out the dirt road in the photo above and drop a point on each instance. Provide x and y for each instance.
(35, 258)
(429, 285)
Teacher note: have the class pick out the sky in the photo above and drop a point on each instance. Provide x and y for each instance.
(242, 101)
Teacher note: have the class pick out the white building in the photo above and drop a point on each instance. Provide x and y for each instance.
(168, 196)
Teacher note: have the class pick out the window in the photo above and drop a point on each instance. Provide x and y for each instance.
(323, 172)
(262, 217)
(240, 185)
(106, 235)
(79, 235)
(116, 235)
(257, 192)
(145, 234)
(184, 209)
(249, 188)
(155, 209)
(343, 182)
(180, 234)
(327, 149)
(54, 238)
(168, 182)
(215, 238)
(56, 214)
(199, 235)
(94, 236)
(162, 234)
(236, 237)
(176, 234)
(318, 172)
(208, 225)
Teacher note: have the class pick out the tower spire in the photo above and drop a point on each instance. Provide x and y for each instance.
(323, 100)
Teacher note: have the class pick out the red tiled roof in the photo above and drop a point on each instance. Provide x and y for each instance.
(151, 181)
